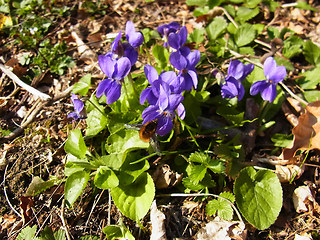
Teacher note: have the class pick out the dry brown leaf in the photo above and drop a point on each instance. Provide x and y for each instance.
(221, 229)
(289, 172)
(7, 221)
(164, 177)
(26, 204)
(303, 200)
(307, 132)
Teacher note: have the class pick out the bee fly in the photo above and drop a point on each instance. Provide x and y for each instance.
(147, 133)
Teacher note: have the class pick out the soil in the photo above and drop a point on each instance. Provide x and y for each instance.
(38, 149)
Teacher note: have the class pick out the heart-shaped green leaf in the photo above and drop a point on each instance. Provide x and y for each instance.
(134, 200)
(258, 196)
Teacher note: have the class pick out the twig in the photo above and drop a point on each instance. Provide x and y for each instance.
(109, 209)
(30, 89)
(63, 221)
(93, 206)
(202, 195)
(5, 193)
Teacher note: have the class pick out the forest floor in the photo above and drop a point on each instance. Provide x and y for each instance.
(33, 131)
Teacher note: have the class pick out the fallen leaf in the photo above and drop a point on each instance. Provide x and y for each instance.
(307, 132)
(157, 218)
(164, 177)
(289, 172)
(302, 199)
(26, 204)
(221, 229)
(7, 221)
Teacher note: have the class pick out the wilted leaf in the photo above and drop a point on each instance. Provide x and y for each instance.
(220, 229)
(302, 199)
(289, 172)
(306, 133)
(164, 177)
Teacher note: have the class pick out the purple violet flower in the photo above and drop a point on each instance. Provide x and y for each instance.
(237, 72)
(176, 40)
(116, 70)
(166, 29)
(79, 111)
(167, 80)
(164, 111)
(268, 88)
(135, 39)
(120, 49)
(185, 61)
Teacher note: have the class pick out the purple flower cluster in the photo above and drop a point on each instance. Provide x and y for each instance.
(237, 72)
(165, 92)
(116, 64)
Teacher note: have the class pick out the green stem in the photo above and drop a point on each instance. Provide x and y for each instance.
(103, 113)
(132, 84)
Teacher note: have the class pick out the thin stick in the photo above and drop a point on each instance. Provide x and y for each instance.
(30, 89)
(202, 195)
(63, 221)
(5, 193)
(109, 209)
(93, 206)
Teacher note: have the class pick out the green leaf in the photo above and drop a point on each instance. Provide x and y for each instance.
(216, 27)
(199, 157)
(197, 35)
(206, 183)
(258, 196)
(113, 161)
(281, 140)
(37, 186)
(216, 166)
(292, 46)
(230, 114)
(114, 232)
(125, 140)
(223, 207)
(106, 178)
(304, 5)
(47, 234)
(252, 3)
(311, 52)
(244, 14)
(75, 144)
(74, 186)
(199, 3)
(311, 96)
(134, 200)
(96, 122)
(245, 34)
(161, 55)
(228, 195)
(311, 80)
(82, 87)
(27, 233)
(129, 172)
(196, 173)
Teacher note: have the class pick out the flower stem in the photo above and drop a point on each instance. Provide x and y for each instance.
(132, 84)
